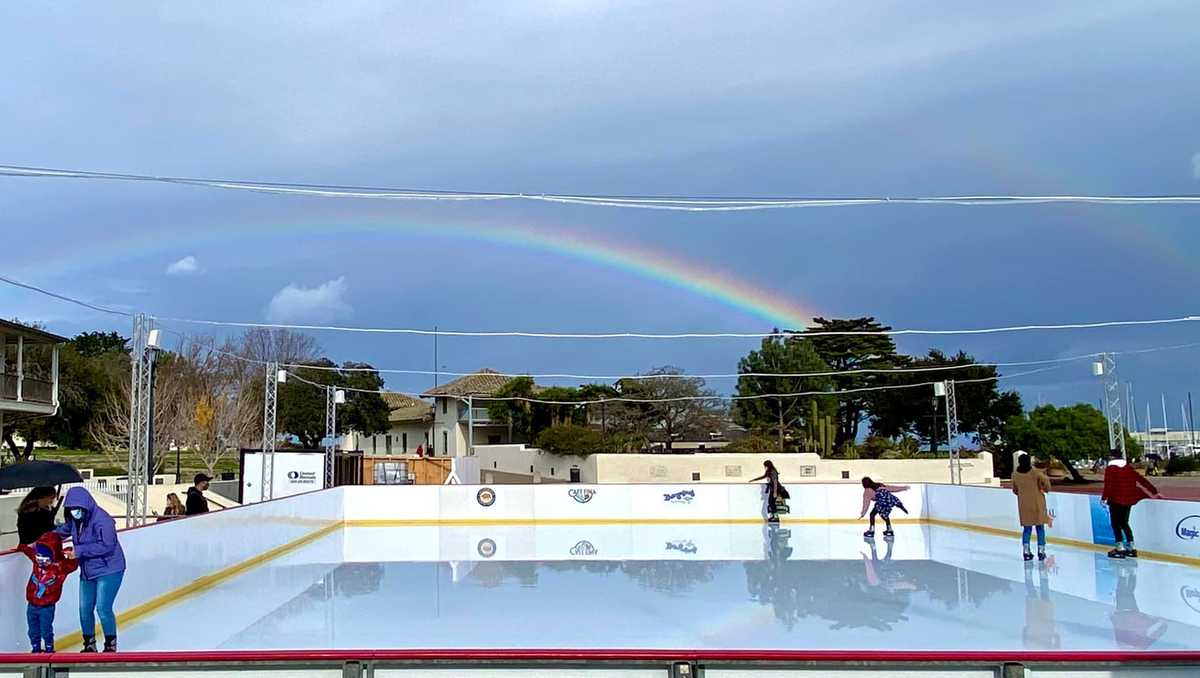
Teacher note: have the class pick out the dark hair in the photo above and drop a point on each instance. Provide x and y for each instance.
(1024, 464)
(769, 466)
(30, 502)
(1116, 453)
(870, 484)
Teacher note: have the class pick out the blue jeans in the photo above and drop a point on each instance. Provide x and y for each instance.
(96, 596)
(1041, 531)
(41, 625)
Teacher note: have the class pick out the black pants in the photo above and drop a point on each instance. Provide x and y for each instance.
(1119, 513)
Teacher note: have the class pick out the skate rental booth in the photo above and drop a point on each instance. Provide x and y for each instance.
(635, 580)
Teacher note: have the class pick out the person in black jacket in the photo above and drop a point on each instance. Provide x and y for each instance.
(196, 503)
(35, 515)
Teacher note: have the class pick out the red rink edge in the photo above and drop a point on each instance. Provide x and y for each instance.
(606, 655)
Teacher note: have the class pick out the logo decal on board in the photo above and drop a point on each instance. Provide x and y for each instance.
(486, 548)
(486, 496)
(1188, 528)
(581, 495)
(683, 546)
(680, 497)
(583, 548)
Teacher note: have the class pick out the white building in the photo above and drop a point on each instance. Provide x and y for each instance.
(455, 416)
(409, 428)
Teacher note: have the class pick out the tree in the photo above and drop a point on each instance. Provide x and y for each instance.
(781, 416)
(572, 439)
(844, 352)
(173, 415)
(1064, 433)
(301, 403)
(981, 406)
(518, 415)
(684, 407)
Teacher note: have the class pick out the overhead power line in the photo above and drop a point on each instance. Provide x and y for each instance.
(684, 335)
(654, 202)
(63, 297)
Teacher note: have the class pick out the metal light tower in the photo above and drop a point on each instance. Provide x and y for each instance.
(1106, 369)
(274, 377)
(946, 389)
(333, 398)
(141, 418)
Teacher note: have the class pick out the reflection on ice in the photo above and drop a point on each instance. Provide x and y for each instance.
(693, 586)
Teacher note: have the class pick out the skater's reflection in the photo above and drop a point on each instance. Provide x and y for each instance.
(882, 573)
(1041, 627)
(1132, 628)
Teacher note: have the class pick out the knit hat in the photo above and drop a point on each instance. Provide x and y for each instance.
(43, 551)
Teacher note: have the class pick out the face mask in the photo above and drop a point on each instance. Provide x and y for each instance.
(77, 514)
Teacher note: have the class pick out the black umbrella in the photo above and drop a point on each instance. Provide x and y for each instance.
(38, 474)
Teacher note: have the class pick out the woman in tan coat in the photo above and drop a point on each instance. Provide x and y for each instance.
(1031, 485)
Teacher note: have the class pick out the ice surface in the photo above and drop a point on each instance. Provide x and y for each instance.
(683, 587)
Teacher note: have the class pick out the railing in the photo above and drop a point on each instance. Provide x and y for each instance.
(32, 390)
(479, 415)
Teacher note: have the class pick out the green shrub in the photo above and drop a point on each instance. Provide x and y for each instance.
(1179, 464)
(573, 439)
(753, 444)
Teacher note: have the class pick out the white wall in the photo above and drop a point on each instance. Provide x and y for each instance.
(518, 459)
(163, 557)
(376, 445)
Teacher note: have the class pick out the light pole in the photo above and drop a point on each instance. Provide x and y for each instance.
(274, 377)
(333, 397)
(946, 389)
(1106, 369)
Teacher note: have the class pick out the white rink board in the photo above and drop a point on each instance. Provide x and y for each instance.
(163, 557)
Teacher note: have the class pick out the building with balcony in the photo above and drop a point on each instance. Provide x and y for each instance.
(28, 371)
(458, 422)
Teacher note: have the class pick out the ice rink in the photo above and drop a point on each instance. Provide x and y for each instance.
(678, 586)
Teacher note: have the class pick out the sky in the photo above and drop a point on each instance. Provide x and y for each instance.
(688, 98)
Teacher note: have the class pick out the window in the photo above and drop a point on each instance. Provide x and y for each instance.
(493, 440)
(374, 444)
(845, 475)
(443, 405)
(551, 470)
(494, 465)
(391, 473)
(404, 443)
(695, 475)
(445, 442)
(388, 444)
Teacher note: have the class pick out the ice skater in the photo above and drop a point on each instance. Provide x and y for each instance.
(1031, 485)
(1124, 487)
(885, 500)
(777, 494)
(44, 588)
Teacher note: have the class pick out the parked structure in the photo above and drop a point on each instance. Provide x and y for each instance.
(410, 422)
(28, 370)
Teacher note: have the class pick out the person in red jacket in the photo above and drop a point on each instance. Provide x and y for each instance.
(1123, 487)
(44, 588)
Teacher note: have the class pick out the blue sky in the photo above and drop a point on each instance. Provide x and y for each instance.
(646, 98)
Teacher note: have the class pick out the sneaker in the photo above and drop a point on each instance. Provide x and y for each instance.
(1130, 553)
(1116, 553)
(1028, 555)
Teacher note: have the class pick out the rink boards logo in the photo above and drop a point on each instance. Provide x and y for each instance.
(683, 546)
(486, 496)
(486, 548)
(581, 495)
(583, 548)
(1188, 528)
(680, 497)
(1190, 596)
(302, 477)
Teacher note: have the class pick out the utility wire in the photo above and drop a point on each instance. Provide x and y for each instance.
(675, 203)
(686, 335)
(63, 297)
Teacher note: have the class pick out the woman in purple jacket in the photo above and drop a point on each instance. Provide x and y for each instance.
(101, 565)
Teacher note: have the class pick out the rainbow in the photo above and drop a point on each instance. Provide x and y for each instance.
(734, 292)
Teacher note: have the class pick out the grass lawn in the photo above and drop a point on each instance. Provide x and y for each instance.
(102, 465)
